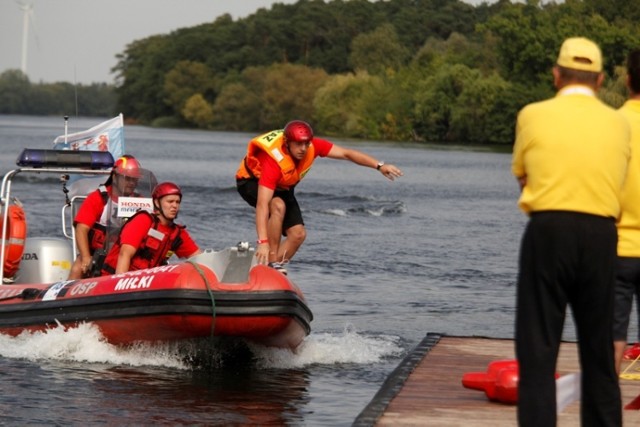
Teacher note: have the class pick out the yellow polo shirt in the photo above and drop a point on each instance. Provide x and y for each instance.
(573, 150)
(629, 224)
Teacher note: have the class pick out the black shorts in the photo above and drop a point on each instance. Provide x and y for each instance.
(248, 189)
(627, 284)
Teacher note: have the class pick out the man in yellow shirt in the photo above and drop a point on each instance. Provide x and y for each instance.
(570, 158)
(628, 266)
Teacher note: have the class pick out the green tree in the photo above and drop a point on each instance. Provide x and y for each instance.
(237, 108)
(339, 104)
(198, 111)
(97, 99)
(186, 79)
(386, 108)
(614, 91)
(378, 51)
(260, 71)
(615, 11)
(14, 85)
(288, 93)
(313, 33)
(527, 41)
(479, 113)
(140, 74)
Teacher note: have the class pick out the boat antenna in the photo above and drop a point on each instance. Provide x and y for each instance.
(66, 124)
(75, 87)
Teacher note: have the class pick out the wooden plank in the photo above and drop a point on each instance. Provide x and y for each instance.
(426, 389)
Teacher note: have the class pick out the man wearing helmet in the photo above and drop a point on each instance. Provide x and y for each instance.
(148, 240)
(95, 213)
(274, 164)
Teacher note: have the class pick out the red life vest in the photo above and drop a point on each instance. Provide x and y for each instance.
(98, 232)
(272, 143)
(154, 250)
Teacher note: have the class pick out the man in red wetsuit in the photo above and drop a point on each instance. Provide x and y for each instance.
(275, 162)
(94, 215)
(148, 240)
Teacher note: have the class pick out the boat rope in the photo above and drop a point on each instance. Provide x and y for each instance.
(631, 376)
(213, 301)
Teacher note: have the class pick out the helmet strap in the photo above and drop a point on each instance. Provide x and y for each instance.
(158, 209)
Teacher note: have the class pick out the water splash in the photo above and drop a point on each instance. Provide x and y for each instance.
(84, 343)
(329, 348)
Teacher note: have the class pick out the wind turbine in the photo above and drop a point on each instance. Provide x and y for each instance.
(27, 9)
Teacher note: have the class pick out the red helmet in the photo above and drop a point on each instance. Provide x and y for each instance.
(298, 131)
(128, 165)
(166, 189)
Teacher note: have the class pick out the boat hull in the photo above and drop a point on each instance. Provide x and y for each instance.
(175, 302)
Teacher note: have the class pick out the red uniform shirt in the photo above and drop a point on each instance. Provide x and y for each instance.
(91, 209)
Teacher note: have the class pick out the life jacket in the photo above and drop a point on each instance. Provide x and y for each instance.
(154, 250)
(107, 224)
(272, 143)
(98, 231)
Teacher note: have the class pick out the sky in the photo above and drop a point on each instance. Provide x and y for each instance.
(77, 41)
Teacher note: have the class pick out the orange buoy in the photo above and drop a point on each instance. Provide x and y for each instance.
(14, 237)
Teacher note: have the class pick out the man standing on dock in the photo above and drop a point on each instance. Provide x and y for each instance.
(628, 267)
(570, 158)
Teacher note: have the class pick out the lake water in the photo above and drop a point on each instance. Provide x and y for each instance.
(384, 263)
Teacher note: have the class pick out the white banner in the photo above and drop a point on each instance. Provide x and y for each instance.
(107, 136)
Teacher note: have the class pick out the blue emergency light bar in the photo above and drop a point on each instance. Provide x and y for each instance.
(38, 158)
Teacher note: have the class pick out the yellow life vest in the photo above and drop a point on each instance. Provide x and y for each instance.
(272, 143)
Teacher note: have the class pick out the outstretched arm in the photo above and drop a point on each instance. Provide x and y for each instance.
(363, 159)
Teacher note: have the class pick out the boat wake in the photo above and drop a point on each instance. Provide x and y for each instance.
(330, 348)
(85, 344)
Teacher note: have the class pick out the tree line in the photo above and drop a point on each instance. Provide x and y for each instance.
(403, 70)
(19, 96)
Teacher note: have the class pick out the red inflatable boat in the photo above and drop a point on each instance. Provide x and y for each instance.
(216, 294)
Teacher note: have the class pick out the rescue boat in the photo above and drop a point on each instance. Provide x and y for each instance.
(215, 294)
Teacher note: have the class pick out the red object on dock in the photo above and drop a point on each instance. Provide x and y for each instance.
(632, 353)
(499, 382)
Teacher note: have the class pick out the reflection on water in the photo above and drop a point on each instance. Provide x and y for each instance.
(232, 394)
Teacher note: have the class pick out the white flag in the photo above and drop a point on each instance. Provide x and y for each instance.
(107, 136)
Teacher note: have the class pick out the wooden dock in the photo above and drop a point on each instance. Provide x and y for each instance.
(426, 388)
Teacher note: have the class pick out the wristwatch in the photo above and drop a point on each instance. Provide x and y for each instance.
(379, 165)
